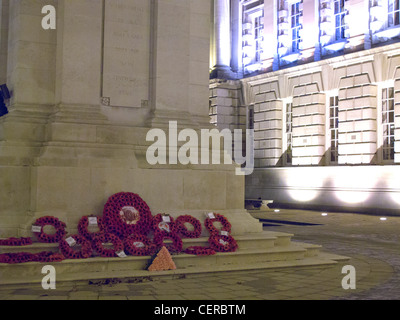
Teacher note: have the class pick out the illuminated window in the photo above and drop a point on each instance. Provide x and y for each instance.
(295, 25)
(250, 123)
(388, 124)
(289, 133)
(252, 34)
(333, 127)
(259, 35)
(393, 13)
(384, 20)
(340, 13)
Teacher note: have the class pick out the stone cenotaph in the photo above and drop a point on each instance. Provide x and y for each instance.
(84, 95)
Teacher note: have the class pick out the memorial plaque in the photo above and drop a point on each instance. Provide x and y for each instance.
(126, 56)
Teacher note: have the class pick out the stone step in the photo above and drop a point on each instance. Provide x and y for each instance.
(256, 240)
(256, 251)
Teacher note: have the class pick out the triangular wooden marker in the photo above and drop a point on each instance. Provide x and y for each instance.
(163, 261)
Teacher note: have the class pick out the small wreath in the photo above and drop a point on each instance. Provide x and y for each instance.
(99, 241)
(209, 224)
(52, 221)
(174, 247)
(15, 242)
(14, 258)
(222, 243)
(83, 226)
(183, 231)
(125, 213)
(138, 245)
(163, 223)
(48, 256)
(199, 251)
(69, 252)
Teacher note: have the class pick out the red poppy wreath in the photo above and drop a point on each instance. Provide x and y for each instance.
(199, 251)
(174, 247)
(60, 226)
(138, 245)
(84, 224)
(15, 242)
(209, 223)
(99, 241)
(126, 213)
(183, 231)
(163, 223)
(222, 243)
(67, 247)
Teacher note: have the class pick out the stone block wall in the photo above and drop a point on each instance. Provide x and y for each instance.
(267, 125)
(356, 80)
(227, 110)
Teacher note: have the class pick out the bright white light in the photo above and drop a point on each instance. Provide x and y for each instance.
(304, 184)
(354, 184)
(324, 214)
(392, 177)
(383, 219)
(276, 210)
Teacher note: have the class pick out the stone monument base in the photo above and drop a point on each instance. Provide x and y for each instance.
(266, 250)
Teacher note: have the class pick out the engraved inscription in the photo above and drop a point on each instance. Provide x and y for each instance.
(126, 52)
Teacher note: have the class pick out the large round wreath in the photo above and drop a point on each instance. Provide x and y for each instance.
(83, 227)
(138, 245)
(52, 221)
(209, 224)
(222, 243)
(99, 241)
(126, 213)
(183, 231)
(174, 247)
(70, 253)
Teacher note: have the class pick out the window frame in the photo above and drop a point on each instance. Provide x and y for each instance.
(287, 134)
(295, 29)
(385, 100)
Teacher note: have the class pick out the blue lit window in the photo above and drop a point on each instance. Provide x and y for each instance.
(259, 36)
(393, 13)
(252, 35)
(340, 13)
(295, 14)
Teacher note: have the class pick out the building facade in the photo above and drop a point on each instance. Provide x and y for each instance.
(319, 81)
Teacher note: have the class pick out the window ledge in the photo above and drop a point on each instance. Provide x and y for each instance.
(336, 46)
(291, 57)
(388, 33)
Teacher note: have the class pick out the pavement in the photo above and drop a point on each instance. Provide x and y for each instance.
(372, 244)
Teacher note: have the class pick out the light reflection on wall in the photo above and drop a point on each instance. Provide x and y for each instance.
(353, 184)
(393, 184)
(304, 184)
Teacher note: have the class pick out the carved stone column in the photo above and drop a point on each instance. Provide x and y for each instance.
(222, 36)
